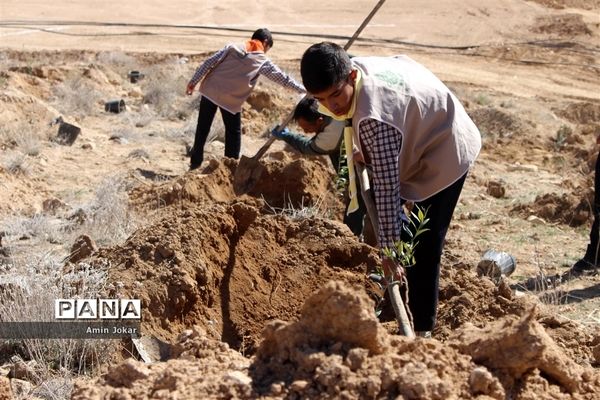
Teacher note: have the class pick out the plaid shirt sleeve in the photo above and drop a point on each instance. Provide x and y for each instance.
(272, 71)
(382, 144)
(207, 65)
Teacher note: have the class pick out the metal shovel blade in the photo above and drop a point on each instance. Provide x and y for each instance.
(249, 170)
(246, 175)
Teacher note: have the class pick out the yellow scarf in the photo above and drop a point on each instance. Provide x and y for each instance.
(348, 137)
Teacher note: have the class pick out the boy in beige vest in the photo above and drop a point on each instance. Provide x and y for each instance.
(417, 140)
(226, 80)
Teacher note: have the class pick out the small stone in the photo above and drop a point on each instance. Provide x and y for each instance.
(165, 251)
(83, 247)
(5, 389)
(523, 167)
(596, 353)
(238, 377)
(276, 389)
(20, 388)
(496, 189)
(299, 385)
(52, 205)
(535, 220)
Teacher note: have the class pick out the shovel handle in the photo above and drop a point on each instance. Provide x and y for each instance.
(400, 310)
(263, 149)
(364, 24)
(261, 152)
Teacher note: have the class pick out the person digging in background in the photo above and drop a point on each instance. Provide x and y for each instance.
(227, 79)
(417, 140)
(589, 264)
(327, 140)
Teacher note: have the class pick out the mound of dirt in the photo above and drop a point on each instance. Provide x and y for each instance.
(285, 183)
(337, 349)
(580, 113)
(561, 4)
(467, 299)
(497, 123)
(264, 109)
(562, 25)
(229, 269)
(567, 208)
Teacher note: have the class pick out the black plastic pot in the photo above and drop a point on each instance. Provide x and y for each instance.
(67, 134)
(115, 106)
(135, 76)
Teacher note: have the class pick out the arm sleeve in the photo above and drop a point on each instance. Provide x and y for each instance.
(382, 143)
(207, 65)
(272, 72)
(303, 144)
(330, 138)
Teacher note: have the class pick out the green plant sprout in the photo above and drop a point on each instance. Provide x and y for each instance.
(403, 251)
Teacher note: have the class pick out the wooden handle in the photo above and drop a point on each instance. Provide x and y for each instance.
(400, 310)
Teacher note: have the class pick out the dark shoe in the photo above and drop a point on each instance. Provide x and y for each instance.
(583, 267)
(194, 166)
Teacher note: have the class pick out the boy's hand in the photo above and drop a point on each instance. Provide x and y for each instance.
(190, 89)
(280, 134)
(391, 270)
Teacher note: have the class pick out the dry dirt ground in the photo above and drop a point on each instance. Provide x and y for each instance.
(264, 295)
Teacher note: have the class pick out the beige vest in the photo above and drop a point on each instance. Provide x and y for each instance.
(439, 140)
(231, 81)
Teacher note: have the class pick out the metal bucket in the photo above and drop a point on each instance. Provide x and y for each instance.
(496, 264)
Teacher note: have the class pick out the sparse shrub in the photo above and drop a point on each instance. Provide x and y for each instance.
(29, 144)
(139, 153)
(27, 295)
(16, 163)
(122, 62)
(160, 97)
(109, 220)
(123, 135)
(3, 80)
(39, 227)
(23, 136)
(562, 135)
(143, 118)
(164, 90)
(482, 99)
(315, 210)
(76, 96)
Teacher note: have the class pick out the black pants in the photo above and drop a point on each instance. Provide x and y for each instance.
(592, 254)
(233, 131)
(423, 278)
(355, 220)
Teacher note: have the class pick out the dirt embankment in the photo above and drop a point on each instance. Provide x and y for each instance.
(337, 349)
(239, 275)
(229, 268)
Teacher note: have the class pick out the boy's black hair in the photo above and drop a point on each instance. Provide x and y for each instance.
(324, 65)
(263, 34)
(308, 109)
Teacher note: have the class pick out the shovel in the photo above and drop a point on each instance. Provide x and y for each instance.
(393, 288)
(249, 169)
